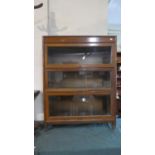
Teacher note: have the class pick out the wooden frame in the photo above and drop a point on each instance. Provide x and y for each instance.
(80, 41)
(118, 84)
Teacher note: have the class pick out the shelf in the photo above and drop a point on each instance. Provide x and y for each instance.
(84, 91)
(76, 67)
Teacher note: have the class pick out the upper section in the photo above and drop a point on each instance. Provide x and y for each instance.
(79, 52)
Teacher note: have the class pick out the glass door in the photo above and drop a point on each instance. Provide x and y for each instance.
(79, 79)
(79, 55)
(79, 105)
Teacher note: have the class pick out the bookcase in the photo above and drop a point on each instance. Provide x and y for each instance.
(79, 79)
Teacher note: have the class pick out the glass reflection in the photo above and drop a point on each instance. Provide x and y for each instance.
(76, 55)
(79, 105)
(79, 79)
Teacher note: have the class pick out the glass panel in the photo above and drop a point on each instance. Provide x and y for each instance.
(79, 55)
(79, 79)
(79, 105)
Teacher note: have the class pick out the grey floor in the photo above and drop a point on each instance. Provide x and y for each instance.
(93, 139)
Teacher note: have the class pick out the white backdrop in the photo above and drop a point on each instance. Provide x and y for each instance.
(64, 17)
(77, 17)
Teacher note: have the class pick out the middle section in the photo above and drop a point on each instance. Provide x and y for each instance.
(78, 79)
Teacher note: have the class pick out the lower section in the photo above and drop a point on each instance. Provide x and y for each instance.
(79, 105)
(79, 109)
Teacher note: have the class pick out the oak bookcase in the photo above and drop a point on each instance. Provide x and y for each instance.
(79, 79)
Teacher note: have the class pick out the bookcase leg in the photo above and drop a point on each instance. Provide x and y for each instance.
(113, 124)
(48, 127)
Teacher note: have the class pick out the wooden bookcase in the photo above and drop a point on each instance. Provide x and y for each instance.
(79, 79)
